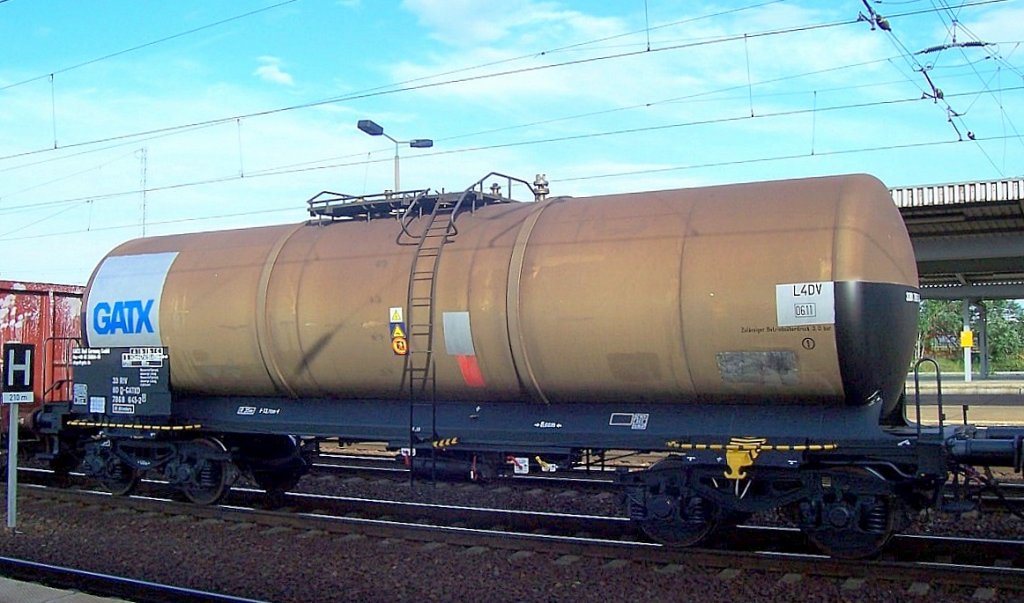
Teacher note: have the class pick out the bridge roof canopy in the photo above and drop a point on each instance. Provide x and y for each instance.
(968, 237)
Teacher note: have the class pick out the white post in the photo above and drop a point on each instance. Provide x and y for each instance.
(966, 342)
(18, 381)
(12, 467)
(397, 183)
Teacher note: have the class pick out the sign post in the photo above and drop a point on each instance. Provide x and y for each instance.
(967, 343)
(18, 381)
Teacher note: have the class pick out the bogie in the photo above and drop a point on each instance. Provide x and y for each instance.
(847, 512)
(851, 514)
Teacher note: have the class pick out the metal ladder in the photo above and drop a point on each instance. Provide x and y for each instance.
(440, 212)
(419, 372)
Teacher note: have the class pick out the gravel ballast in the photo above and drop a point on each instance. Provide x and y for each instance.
(280, 564)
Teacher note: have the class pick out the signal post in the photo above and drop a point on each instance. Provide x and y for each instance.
(18, 383)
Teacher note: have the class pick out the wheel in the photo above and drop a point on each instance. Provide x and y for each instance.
(119, 478)
(858, 531)
(208, 479)
(853, 518)
(680, 522)
(675, 515)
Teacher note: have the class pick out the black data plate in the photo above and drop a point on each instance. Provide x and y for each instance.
(122, 382)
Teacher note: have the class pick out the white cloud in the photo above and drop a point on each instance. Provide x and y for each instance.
(270, 71)
(593, 127)
(462, 23)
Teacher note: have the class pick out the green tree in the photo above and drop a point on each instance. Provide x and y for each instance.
(938, 327)
(940, 323)
(1005, 320)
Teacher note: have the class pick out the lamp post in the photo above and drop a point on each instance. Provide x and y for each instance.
(374, 129)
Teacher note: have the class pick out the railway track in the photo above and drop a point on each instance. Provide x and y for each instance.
(982, 563)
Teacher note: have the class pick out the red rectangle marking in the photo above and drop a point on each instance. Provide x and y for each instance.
(470, 371)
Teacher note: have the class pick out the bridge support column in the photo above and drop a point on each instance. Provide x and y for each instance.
(982, 340)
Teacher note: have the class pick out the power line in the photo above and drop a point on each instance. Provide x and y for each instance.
(276, 171)
(574, 137)
(891, 147)
(408, 87)
(145, 45)
(428, 85)
(747, 161)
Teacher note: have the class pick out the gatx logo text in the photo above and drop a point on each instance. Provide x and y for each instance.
(128, 317)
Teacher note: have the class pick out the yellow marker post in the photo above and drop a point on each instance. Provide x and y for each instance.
(967, 342)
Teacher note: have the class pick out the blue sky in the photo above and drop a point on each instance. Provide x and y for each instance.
(124, 118)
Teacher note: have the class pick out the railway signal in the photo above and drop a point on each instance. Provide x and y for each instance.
(19, 378)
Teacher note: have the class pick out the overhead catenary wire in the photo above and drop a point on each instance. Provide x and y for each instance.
(148, 44)
(411, 85)
(447, 152)
(727, 163)
(281, 172)
(313, 163)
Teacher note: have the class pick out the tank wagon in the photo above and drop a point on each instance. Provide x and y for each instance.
(759, 333)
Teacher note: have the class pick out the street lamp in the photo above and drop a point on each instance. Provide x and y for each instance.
(374, 129)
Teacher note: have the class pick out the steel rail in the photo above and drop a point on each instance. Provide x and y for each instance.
(764, 549)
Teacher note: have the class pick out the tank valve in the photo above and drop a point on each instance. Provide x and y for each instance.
(540, 187)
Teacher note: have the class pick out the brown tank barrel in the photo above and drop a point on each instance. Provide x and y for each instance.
(800, 290)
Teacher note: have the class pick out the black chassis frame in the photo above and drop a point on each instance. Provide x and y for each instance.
(851, 435)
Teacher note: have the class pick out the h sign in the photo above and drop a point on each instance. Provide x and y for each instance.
(19, 377)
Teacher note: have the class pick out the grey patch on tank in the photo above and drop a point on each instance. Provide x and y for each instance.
(458, 336)
(761, 368)
(640, 367)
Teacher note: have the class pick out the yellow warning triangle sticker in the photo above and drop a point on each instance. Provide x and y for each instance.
(397, 332)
